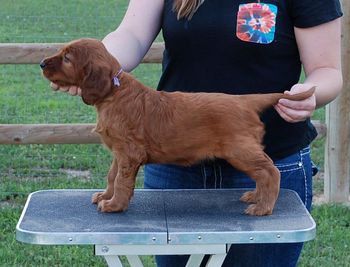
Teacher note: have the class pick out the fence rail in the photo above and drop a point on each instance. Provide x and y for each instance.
(25, 134)
(32, 53)
(67, 133)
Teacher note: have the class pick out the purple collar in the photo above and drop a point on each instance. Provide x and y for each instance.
(116, 80)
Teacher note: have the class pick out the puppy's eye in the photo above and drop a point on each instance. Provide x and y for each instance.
(66, 59)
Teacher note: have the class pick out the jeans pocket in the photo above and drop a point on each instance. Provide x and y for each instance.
(296, 174)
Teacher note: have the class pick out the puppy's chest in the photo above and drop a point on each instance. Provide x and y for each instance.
(106, 140)
(104, 130)
(115, 134)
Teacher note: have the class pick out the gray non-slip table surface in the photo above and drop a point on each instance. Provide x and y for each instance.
(161, 217)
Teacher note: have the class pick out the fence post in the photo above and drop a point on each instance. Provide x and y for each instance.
(337, 152)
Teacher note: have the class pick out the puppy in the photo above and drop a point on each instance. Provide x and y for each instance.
(140, 125)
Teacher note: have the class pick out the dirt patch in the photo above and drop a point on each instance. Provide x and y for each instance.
(42, 174)
(319, 199)
(86, 175)
(10, 204)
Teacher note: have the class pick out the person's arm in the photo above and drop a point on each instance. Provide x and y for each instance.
(320, 55)
(132, 39)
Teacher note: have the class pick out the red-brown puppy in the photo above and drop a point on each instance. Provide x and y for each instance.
(140, 125)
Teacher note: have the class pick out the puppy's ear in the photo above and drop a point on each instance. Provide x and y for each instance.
(96, 83)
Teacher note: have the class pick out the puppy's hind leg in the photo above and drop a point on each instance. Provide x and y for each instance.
(256, 164)
(108, 193)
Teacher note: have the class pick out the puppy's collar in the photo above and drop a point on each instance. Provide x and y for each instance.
(116, 80)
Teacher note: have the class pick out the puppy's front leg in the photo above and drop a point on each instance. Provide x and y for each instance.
(124, 185)
(108, 193)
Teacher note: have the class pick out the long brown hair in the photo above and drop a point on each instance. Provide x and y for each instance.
(186, 8)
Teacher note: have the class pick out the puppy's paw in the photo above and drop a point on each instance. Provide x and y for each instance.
(249, 197)
(112, 205)
(258, 210)
(98, 196)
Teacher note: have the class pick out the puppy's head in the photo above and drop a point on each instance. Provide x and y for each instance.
(85, 63)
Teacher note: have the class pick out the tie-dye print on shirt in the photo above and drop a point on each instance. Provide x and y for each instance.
(256, 22)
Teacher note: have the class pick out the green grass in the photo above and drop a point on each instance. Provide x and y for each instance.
(331, 246)
(25, 97)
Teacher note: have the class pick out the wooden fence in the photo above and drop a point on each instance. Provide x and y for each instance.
(81, 133)
(337, 152)
(32, 53)
(12, 53)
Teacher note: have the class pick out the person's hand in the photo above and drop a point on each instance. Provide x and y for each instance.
(296, 111)
(72, 90)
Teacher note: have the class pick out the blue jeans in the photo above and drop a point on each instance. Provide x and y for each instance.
(296, 174)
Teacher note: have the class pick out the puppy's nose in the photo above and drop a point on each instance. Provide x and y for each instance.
(42, 64)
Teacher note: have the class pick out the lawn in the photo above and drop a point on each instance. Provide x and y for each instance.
(25, 97)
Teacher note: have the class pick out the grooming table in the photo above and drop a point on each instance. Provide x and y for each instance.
(161, 222)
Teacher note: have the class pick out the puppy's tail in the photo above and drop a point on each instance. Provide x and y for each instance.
(260, 102)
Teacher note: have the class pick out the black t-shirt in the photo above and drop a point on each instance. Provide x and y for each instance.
(242, 47)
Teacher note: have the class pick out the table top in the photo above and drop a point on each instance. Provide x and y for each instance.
(213, 216)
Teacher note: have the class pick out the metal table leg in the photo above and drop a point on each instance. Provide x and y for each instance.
(216, 260)
(195, 260)
(113, 261)
(112, 252)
